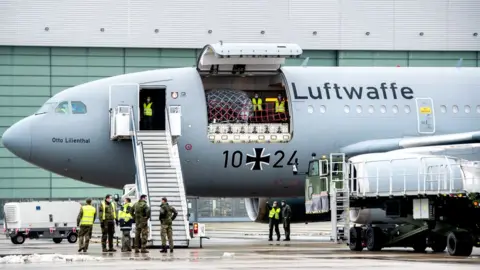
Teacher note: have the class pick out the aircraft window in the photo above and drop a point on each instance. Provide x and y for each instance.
(371, 109)
(46, 107)
(313, 168)
(407, 109)
(395, 109)
(323, 109)
(310, 109)
(443, 109)
(346, 109)
(383, 109)
(478, 109)
(455, 108)
(467, 109)
(359, 109)
(78, 107)
(62, 107)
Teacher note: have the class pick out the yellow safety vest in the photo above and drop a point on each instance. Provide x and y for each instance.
(257, 104)
(275, 213)
(123, 214)
(147, 109)
(279, 107)
(88, 214)
(113, 210)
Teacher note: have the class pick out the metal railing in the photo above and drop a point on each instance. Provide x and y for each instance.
(175, 163)
(141, 175)
(442, 176)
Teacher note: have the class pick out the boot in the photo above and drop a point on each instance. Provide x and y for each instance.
(171, 250)
(80, 249)
(164, 249)
(270, 239)
(111, 249)
(137, 251)
(144, 251)
(104, 250)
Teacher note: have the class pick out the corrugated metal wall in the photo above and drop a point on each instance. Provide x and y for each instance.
(30, 75)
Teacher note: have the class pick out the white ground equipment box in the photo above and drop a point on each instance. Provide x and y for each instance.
(54, 220)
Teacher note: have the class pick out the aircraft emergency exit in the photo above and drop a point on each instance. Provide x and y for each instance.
(228, 147)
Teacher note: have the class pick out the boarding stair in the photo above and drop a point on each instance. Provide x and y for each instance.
(339, 196)
(159, 175)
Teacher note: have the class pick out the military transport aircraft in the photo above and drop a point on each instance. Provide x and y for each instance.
(228, 149)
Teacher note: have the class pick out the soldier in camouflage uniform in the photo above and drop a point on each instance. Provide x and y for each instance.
(167, 215)
(108, 218)
(141, 213)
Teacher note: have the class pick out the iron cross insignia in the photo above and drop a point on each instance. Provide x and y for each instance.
(257, 159)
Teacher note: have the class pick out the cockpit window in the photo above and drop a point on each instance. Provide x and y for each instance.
(62, 108)
(78, 107)
(47, 107)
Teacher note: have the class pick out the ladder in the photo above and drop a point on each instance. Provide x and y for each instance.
(339, 196)
(158, 175)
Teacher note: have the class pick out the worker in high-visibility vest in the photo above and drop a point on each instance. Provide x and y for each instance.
(274, 215)
(126, 221)
(148, 114)
(108, 217)
(85, 220)
(280, 104)
(257, 103)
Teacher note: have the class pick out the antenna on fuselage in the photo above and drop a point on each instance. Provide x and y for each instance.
(305, 62)
(459, 63)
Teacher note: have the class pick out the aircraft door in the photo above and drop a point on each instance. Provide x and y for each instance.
(125, 94)
(425, 116)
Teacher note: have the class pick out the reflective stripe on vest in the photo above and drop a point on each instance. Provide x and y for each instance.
(279, 107)
(88, 213)
(275, 213)
(147, 109)
(123, 214)
(257, 104)
(113, 210)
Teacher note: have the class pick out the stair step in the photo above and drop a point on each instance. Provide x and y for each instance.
(156, 155)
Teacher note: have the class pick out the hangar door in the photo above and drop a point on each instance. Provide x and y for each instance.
(125, 94)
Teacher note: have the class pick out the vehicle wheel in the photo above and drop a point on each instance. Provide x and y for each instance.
(72, 238)
(439, 243)
(57, 240)
(14, 240)
(420, 245)
(355, 241)
(374, 237)
(19, 239)
(459, 244)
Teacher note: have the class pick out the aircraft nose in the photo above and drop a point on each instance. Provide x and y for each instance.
(18, 140)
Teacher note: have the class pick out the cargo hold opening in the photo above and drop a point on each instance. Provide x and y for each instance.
(245, 92)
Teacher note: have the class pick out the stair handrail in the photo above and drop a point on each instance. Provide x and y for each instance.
(175, 158)
(139, 159)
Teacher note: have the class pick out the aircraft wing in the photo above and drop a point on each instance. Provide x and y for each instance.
(385, 145)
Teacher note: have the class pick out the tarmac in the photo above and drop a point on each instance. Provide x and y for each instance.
(231, 246)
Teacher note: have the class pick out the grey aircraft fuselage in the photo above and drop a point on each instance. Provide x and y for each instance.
(320, 124)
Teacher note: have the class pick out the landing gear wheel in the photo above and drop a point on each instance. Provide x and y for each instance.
(459, 244)
(18, 239)
(374, 236)
(439, 243)
(355, 241)
(57, 240)
(72, 238)
(420, 245)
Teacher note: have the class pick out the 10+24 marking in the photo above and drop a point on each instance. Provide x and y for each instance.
(257, 159)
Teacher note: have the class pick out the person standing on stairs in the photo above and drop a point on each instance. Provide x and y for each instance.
(148, 114)
(85, 220)
(286, 216)
(141, 213)
(168, 214)
(108, 217)
(274, 220)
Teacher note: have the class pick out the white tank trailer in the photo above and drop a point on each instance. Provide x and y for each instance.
(414, 200)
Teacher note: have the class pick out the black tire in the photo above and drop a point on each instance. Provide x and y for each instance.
(72, 238)
(19, 239)
(374, 238)
(13, 239)
(57, 240)
(420, 245)
(355, 241)
(439, 243)
(459, 244)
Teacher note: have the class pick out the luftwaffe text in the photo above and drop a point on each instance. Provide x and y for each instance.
(70, 140)
(334, 90)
